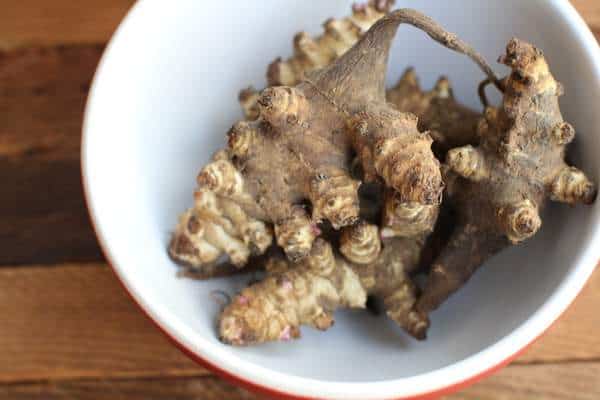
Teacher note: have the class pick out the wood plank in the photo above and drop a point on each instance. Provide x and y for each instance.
(589, 10)
(43, 217)
(84, 325)
(160, 388)
(42, 98)
(576, 381)
(42, 212)
(573, 381)
(70, 321)
(35, 22)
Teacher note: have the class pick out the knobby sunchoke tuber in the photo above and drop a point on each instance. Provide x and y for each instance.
(300, 151)
(308, 293)
(224, 221)
(500, 186)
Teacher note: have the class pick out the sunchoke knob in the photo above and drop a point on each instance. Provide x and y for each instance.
(571, 186)
(529, 69)
(406, 219)
(520, 221)
(321, 258)
(361, 243)
(468, 162)
(443, 89)
(563, 133)
(382, 6)
(334, 196)
(248, 100)
(222, 178)
(241, 138)
(408, 166)
(189, 245)
(296, 234)
(282, 105)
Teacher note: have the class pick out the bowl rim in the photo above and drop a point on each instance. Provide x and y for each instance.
(428, 385)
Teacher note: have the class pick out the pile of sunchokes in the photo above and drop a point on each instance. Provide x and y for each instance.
(339, 190)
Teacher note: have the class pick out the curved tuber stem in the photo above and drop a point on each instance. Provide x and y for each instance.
(483, 85)
(443, 37)
(361, 71)
(481, 92)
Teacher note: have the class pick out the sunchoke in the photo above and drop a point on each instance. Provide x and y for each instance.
(300, 149)
(449, 123)
(499, 187)
(220, 222)
(308, 293)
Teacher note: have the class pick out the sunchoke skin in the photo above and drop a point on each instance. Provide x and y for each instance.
(218, 224)
(449, 123)
(400, 219)
(312, 290)
(307, 294)
(313, 53)
(499, 187)
(361, 243)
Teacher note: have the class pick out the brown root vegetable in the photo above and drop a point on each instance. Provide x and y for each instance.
(310, 292)
(499, 187)
(401, 219)
(450, 123)
(220, 223)
(301, 147)
(313, 53)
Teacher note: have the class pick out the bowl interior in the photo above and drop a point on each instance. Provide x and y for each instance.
(163, 100)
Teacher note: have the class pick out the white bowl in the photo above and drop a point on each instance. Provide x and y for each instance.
(163, 98)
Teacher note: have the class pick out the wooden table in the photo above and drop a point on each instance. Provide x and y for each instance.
(67, 329)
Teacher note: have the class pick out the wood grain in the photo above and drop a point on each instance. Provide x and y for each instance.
(590, 11)
(42, 212)
(42, 98)
(192, 388)
(71, 321)
(70, 331)
(68, 322)
(573, 381)
(34, 22)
